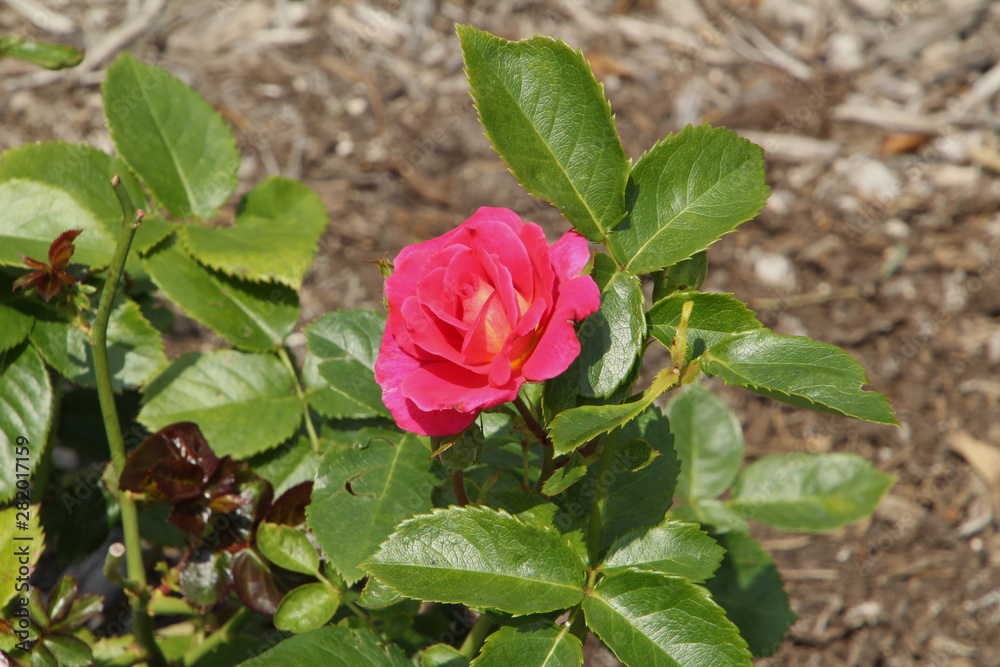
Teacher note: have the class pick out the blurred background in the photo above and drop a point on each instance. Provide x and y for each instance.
(878, 119)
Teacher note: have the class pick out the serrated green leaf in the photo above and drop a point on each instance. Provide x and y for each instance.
(135, 347)
(306, 608)
(708, 438)
(713, 317)
(172, 138)
(292, 463)
(674, 548)
(684, 194)
(13, 537)
(364, 491)
(813, 493)
(686, 275)
(536, 645)
(332, 646)
(44, 54)
(653, 620)
(352, 334)
(278, 225)
(563, 478)
(638, 497)
(287, 547)
(480, 557)
(749, 587)
(250, 316)
(25, 416)
(244, 403)
(15, 325)
(799, 371)
(342, 389)
(68, 650)
(33, 214)
(714, 515)
(548, 119)
(376, 595)
(442, 655)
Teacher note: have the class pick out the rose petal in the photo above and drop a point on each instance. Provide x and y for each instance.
(445, 386)
(499, 237)
(538, 250)
(569, 255)
(558, 345)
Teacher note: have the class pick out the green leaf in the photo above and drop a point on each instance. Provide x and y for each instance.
(244, 403)
(250, 316)
(278, 225)
(364, 491)
(41, 657)
(177, 143)
(813, 493)
(33, 214)
(548, 119)
(292, 463)
(798, 371)
(68, 650)
(15, 325)
(750, 589)
(638, 495)
(708, 438)
(442, 655)
(684, 194)
(347, 334)
(342, 389)
(653, 620)
(12, 538)
(25, 416)
(564, 477)
(713, 514)
(674, 548)
(61, 598)
(44, 54)
(135, 348)
(480, 557)
(287, 547)
(685, 276)
(536, 645)
(376, 595)
(713, 317)
(332, 646)
(611, 339)
(306, 608)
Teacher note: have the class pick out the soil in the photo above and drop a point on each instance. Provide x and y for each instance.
(881, 235)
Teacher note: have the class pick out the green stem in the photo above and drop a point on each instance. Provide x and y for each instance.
(219, 637)
(529, 420)
(476, 637)
(300, 392)
(136, 571)
(604, 474)
(548, 459)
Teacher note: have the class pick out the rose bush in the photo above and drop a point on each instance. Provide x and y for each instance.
(475, 313)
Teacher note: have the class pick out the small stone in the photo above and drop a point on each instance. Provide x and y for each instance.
(773, 269)
(877, 9)
(355, 106)
(896, 228)
(870, 178)
(844, 52)
(867, 613)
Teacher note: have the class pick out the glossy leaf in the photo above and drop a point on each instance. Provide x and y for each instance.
(287, 547)
(653, 620)
(15, 325)
(351, 334)
(749, 587)
(364, 491)
(442, 655)
(83, 608)
(250, 316)
(332, 646)
(25, 415)
(135, 348)
(674, 548)
(549, 120)
(799, 371)
(12, 538)
(813, 493)
(42, 657)
(290, 508)
(708, 438)
(535, 645)
(713, 317)
(244, 403)
(376, 595)
(206, 577)
(278, 225)
(567, 475)
(342, 389)
(68, 650)
(33, 215)
(306, 608)
(61, 598)
(171, 137)
(684, 194)
(480, 557)
(254, 583)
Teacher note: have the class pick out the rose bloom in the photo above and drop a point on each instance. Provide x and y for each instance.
(476, 313)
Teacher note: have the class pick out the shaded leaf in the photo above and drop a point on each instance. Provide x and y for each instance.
(332, 646)
(684, 276)
(480, 557)
(287, 547)
(442, 655)
(15, 325)
(254, 583)
(9, 558)
(714, 515)
(536, 645)
(564, 477)
(798, 371)
(170, 136)
(684, 194)
(206, 577)
(713, 317)
(548, 118)
(68, 650)
(376, 595)
(25, 416)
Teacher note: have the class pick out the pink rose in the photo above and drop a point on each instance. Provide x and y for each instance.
(475, 313)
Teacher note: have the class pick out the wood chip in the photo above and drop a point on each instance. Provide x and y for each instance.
(983, 457)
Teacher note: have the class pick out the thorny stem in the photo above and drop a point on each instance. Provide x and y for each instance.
(310, 429)
(476, 636)
(136, 571)
(219, 637)
(458, 485)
